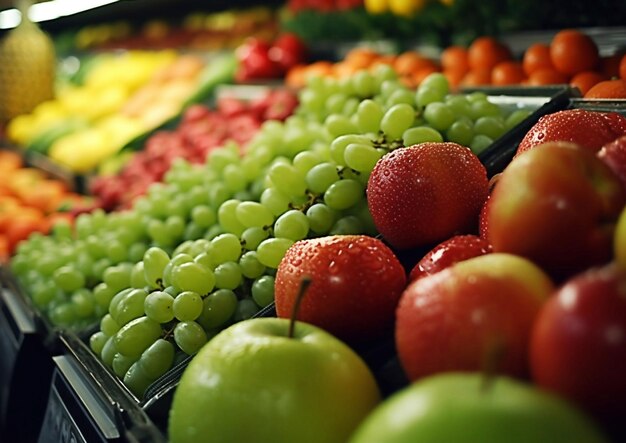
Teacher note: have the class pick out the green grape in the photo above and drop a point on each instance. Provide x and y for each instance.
(68, 278)
(118, 297)
(116, 251)
(368, 117)
(250, 265)
(20, 264)
(321, 176)
(117, 277)
(339, 144)
(479, 143)
(158, 306)
(321, 218)
(193, 231)
(401, 96)
(383, 73)
(275, 201)
(175, 226)
(121, 364)
(203, 216)
(252, 237)
(199, 246)
(263, 290)
(461, 132)
(420, 134)
(459, 105)
(271, 251)
(97, 342)
(138, 276)
(194, 277)
(44, 294)
(136, 252)
(253, 214)
(305, 160)
(171, 290)
(361, 157)
(227, 217)
(287, 179)
(157, 230)
(84, 264)
(135, 337)
(175, 261)
(137, 380)
(246, 308)
(129, 307)
(218, 308)
(226, 247)
(439, 116)
(219, 159)
(364, 84)
(183, 248)
(351, 106)
(492, 127)
(189, 336)
(154, 261)
(433, 88)
(218, 194)
(234, 178)
(337, 124)
(515, 118)
(187, 306)
(83, 302)
(484, 108)
(99, 267)
(228, 276)
(108, 325)
(108, 352)
(157, 359)
(336, 102)
(292, 225)
(362, 212)
(397, 119)
(62, 230)
(343, 194)
(349, 224)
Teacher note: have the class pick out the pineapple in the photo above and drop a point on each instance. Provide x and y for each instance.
(27, 67)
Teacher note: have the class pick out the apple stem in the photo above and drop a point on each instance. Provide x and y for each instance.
(304, 285)
(493, 358)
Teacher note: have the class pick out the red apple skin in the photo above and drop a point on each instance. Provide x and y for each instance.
(556, 206)
(449, 252)
(578, 344)
(614, 155)
(475, 315)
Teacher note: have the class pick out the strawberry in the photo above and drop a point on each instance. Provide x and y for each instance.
(589, 129)
(614, 155)
(449, 252)
(356, 282)
(426, 193)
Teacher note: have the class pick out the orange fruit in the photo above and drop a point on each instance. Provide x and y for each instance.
(455, 58)
(585, 80)
(383, 60)
(344, 69)
(622, 68)
(361, 57)
(572, 52)
(507, 73)
(477, 77)
(536, 57)
(609, 66)
(422, 73)
(546, 76)
(486, 52)
(608, 89)
(454, 78)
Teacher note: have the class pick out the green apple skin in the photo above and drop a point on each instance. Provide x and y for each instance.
(619, 240)
(456, 407)
(252, 383)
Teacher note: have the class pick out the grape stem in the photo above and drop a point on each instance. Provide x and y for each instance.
(304, 285)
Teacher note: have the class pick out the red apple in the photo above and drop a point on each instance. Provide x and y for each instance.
(426, 193)
(449, 252)
(589, 129)
(356, 282)
(578, 346)
(474, 314)
(556, 206)
(614, 155)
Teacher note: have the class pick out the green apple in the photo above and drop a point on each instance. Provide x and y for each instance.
(466, 407)
(254, 383)
(619, 240)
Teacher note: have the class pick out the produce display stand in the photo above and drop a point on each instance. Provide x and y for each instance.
(25, 365)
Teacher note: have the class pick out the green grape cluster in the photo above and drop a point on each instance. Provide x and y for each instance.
(200, 251)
